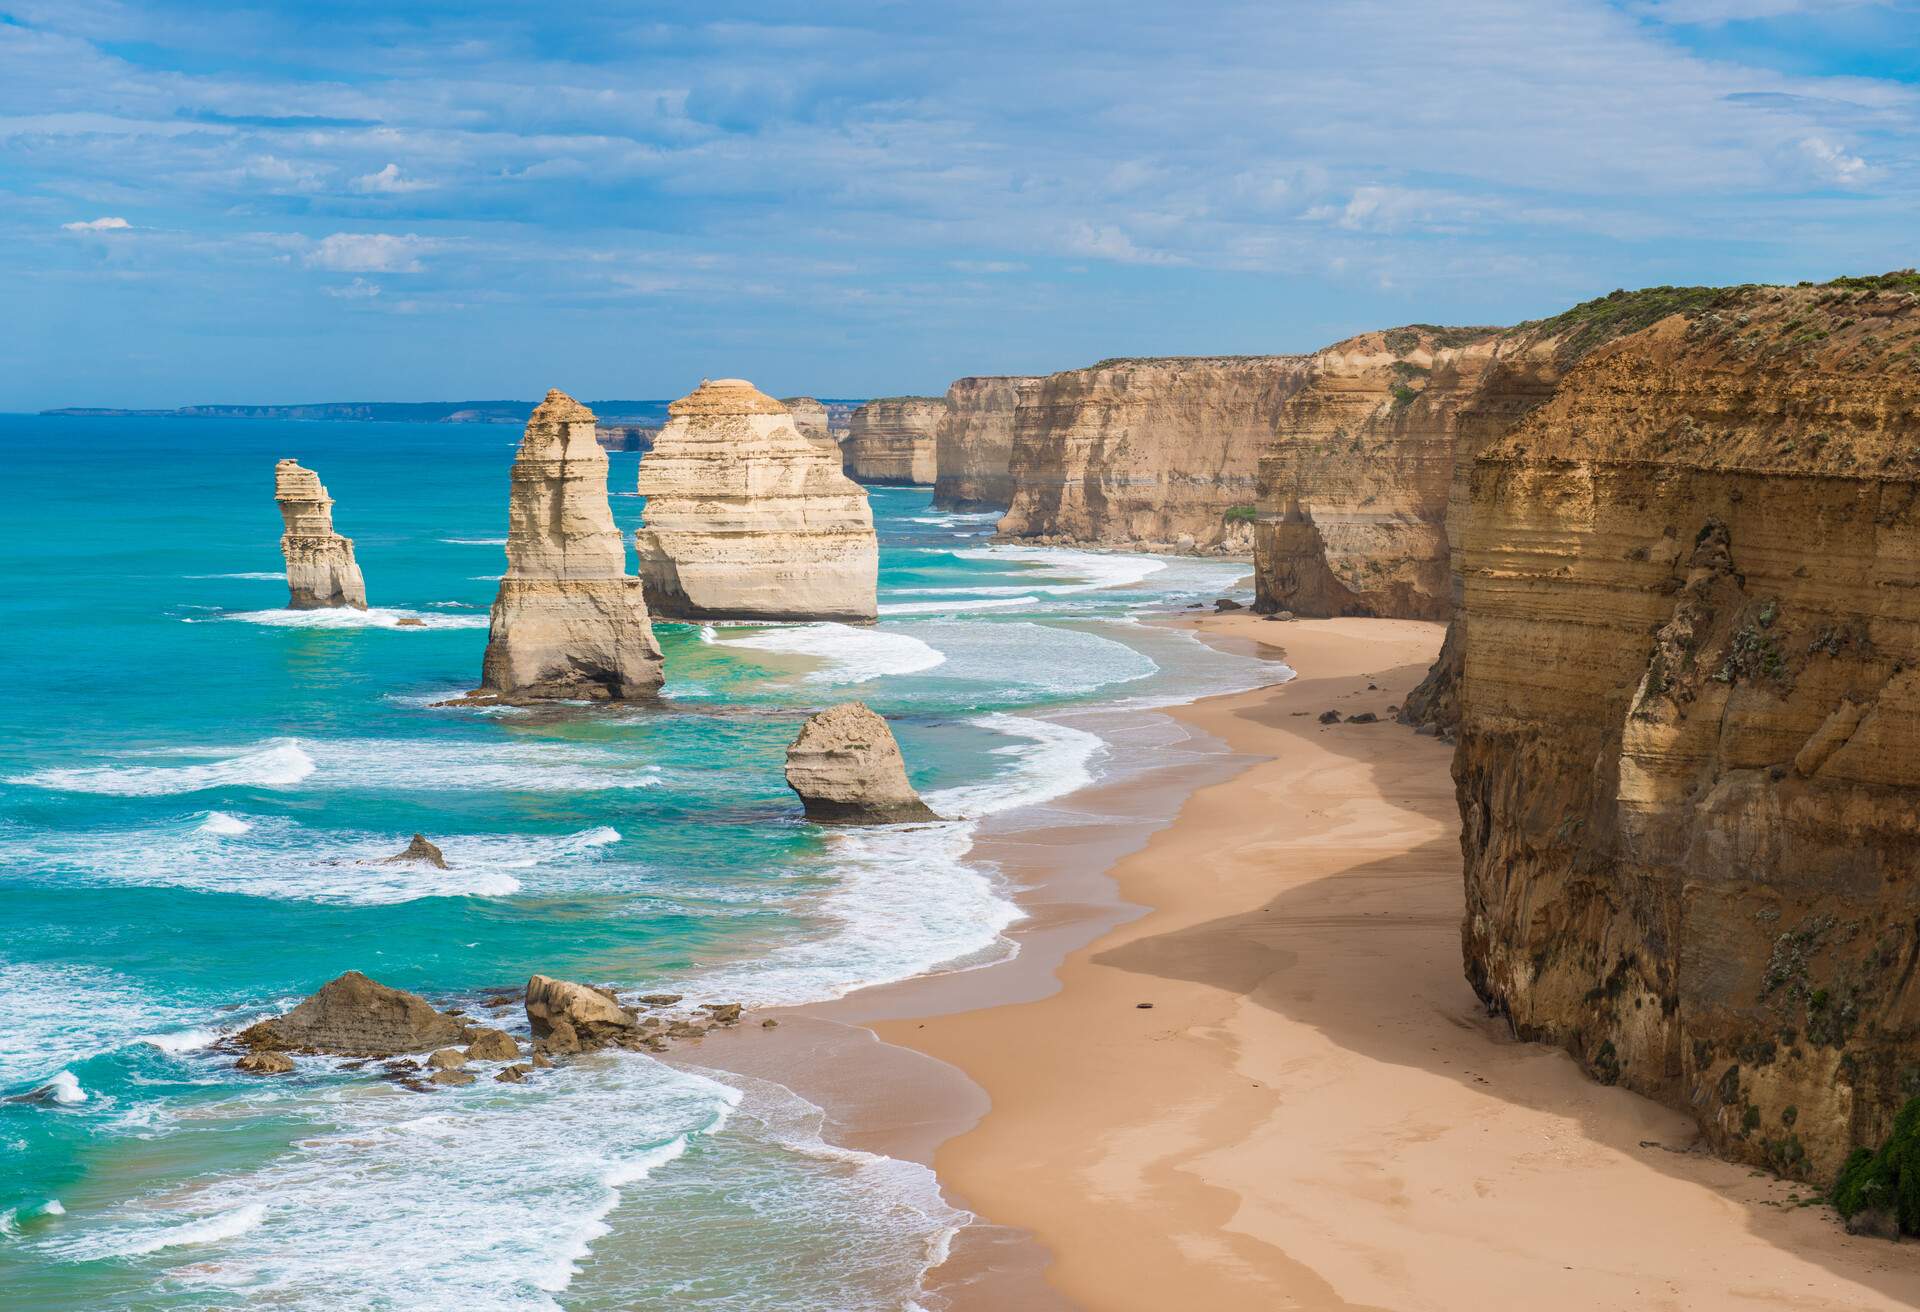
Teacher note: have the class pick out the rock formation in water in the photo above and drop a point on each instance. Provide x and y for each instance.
(321, 571)
(567, 1017)
(973, 445)
(1689, 707)
(417, 852)
(352, 1016)
(568, 623)
(894, 440)
(847, 769)
(1154, 455)
(748, 520)
(1355, 483)
(810, 417)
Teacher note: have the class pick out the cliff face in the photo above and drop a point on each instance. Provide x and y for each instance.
(893, 440)
(748, 519)
(810, 417)
(1353, 487)
(568, 622)
(1159, 455)
(974, 444)
(1690, 699)
(321, 570)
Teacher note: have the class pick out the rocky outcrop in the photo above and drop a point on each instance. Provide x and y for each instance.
(1689, 700)
(973, 445)
(847, 769)
(417, 852)
(321, 571)
(567, 1017)
(810, 417)
(568, 622)
(352, 1016)
(1354, 485)
(1154, 455)
(748, 520)
(895, 440)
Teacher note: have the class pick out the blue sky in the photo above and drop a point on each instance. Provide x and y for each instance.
(400, 201)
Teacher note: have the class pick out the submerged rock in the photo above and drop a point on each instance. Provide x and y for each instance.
(748, 519)
(569, 1017)
(447, 1059)
(568, 622)
(353, 1016)
(847, 769)
(493, 1045)
(452, 1078)
(321, 571)
(418, 850)
(265, 1063)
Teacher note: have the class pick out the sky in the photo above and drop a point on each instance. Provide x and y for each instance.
(469, 199)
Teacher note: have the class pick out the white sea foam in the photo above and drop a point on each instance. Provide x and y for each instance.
(65, 1088)
(476, 542)
(957, 604)
(260, 576)
(852, 655)
(1026, 659)
(321, 763)
(1049, 761)
(1090, 571)
(280, 763)
(377, 617)
(59, 1015)
(179, 1041)
(277, 858)
(219, 822)
(211, 1229)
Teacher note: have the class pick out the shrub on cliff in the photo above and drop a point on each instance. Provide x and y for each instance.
(1888, 1179)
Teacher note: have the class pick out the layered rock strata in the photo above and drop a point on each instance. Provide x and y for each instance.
(1689, 703)
(321, 571)
(353, 1016)
(847, 769)
(746, 519)
(895, 440)
(568, 623)
(1354, 486)
(1154, 454)
(973, 445)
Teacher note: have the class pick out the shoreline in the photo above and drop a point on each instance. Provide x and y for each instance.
(1315, 1112)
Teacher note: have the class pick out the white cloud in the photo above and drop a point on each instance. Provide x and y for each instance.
(369, 252)
(97, 225)
(1833, 163)
(388, 181)
(1109, 243)
(357, 290)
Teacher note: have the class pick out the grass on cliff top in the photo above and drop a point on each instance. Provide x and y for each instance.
(1444, 338)
(1900, 280)
(1888, 1178)
(1594, 323)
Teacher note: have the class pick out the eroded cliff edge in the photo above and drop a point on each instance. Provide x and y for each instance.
(973, 445)
(893, 440)
(1689, 708)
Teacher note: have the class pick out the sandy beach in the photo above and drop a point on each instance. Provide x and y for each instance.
(1314, 1111)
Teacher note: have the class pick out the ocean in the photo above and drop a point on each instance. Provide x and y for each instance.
(193, 780)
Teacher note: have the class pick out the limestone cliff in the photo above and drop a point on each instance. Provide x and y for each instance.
(747, 519)
(1157, 455)
(1690, 702)
(568, 623)
(1354, 485)
(847, 769)
(321, 571)
(810, 417)
(974, 444)
(893, 440)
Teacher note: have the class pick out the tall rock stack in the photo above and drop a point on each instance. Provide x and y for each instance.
(569, 623)
(894, 440)
(810, 417)
(321, 571)
(746, 519)
(974, 444)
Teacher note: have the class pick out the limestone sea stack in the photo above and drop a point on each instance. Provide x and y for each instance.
(746, 519)
(847, 769)
(810, 417)
(973, 445)
(895, 440)
(569, 622)
(321, 571)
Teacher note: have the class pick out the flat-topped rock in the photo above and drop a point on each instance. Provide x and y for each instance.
(847, 769)
(353, 1016)
(568, 1017)
(568, 623)
(748, 519)
(321, 571)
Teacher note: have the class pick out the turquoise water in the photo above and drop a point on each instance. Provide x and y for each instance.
(191, 779)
